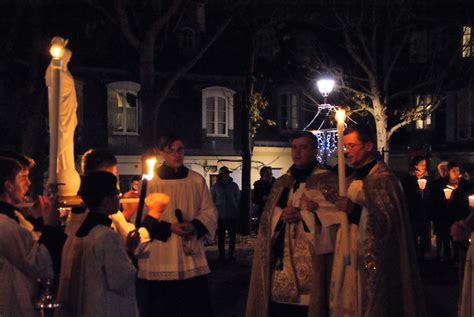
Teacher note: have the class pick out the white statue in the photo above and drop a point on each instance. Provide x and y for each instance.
(67, 176)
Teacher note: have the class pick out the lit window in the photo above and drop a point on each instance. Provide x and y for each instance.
(288, 111)
(424, 103)
(218, 108)
(124, 108)
(467, 42)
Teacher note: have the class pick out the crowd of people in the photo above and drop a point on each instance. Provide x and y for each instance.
(310, 259)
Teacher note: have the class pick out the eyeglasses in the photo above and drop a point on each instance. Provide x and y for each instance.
(352, 146)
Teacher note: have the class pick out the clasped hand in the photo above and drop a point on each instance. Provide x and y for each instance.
(345, 204)
(184, 229)
(292, 214)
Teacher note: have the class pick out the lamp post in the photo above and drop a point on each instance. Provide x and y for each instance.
(57, 51)
(325, 87)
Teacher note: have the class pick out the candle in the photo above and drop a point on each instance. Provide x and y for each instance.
(422, 183)
(471, 200)
(143, 188)
(341, 167)
(54, 96)
(447, 193)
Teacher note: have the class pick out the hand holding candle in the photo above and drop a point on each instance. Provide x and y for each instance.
(447, 193)
(422, 183)
(471, 201)
(146, 177)
(156, 203)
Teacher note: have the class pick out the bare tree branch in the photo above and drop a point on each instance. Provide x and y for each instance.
(394, 60)
(159, 23)
(103, 11)
(125, 24)
(160, 97)
(416, 114)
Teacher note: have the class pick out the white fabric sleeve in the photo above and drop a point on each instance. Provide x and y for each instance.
(29, 256)
(123, 227)
(207, 213)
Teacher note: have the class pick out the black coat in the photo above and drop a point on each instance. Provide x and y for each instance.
(416, 201)
(444, 212)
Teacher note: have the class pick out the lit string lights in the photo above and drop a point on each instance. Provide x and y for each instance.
(326, 134)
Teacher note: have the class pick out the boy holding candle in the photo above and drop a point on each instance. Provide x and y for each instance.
(173, 278)
(102, 277)
(23, 258)
(96, 161)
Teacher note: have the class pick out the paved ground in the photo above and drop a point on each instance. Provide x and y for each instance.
(229, 282)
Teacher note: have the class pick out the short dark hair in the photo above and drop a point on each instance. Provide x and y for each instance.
(305, 134)
(264, 169)
(96, 159)
(95, 186)
(364, 133)
(166, 141)
(9, 168)
(25, 161)
(451, 165)
(136, 178)
(416, 160)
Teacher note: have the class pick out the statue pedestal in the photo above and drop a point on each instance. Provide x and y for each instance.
(69, 182)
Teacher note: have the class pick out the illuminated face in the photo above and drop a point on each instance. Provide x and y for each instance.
(174, 155)
(454, 174)
(303, 152)
(358, 154)
(135, 185)
(421, 166)
(18, 187)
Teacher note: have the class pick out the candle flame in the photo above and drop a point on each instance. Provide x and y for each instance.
(340, 115)
(56, 51)
(151, 165)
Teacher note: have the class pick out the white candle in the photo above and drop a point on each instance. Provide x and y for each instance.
(422, 183)
(143, 188)
(341, 167)
(471, 200)
(447, 193)
(54, 121)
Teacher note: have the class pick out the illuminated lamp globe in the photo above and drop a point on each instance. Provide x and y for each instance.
(325, 86)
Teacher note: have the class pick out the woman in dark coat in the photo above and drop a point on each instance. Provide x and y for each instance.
(416, 204)
(447, 211)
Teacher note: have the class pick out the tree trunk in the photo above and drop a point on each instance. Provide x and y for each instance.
(147, 82)
(245, 206)
(380, 118)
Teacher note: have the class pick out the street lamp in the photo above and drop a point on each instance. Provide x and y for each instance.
(325, 87)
